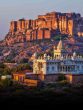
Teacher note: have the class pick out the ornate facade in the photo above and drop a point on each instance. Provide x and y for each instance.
(62, 62)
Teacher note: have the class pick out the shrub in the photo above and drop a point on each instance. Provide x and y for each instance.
(6, 83)
(61, 77)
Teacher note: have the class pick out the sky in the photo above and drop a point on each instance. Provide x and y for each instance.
(30, 9)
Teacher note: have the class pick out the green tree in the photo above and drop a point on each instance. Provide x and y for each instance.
(6, 83)
(22, 67)
(7, 71)
(2, 65)
(27, 66)
(61, 77)
(1, 71)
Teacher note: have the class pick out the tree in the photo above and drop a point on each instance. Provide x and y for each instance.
(27, 66)
(2, 65)
(6, 83)
(61, 77)
(22, 67)
(1, 71)
(7, 71)
(24, 60)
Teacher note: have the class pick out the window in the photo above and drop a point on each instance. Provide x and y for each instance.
(78, 68)
(52, 68)
(48, 63)
(47, 68)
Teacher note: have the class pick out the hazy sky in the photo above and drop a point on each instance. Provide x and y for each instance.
(16, 9)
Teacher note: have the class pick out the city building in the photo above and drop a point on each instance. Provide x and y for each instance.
(61, 63)
(28, 79)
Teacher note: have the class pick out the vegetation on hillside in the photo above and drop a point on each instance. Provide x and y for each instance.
(5, 70)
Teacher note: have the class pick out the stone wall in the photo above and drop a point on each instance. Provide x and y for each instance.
(43, 26)
(75, 78)
(71, 78)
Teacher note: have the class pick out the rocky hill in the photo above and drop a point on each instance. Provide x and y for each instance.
(22, 52)
(45, 27)
(28, 36)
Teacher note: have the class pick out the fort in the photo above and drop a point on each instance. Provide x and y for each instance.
(45, 27)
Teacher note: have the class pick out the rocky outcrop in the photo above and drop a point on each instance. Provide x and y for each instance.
(45, 27)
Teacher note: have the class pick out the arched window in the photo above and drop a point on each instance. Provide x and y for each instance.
(47, 68)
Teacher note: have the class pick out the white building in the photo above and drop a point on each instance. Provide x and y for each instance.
(60, 63)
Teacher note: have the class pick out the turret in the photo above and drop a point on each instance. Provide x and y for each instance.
(74, 54)
(35, 55)
(60, 51)
(45, 56)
